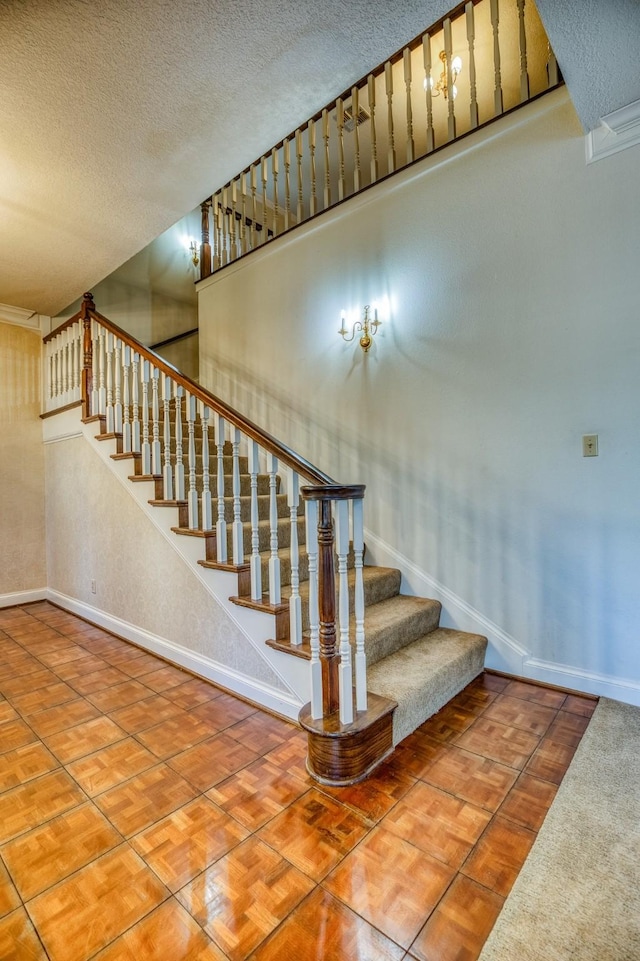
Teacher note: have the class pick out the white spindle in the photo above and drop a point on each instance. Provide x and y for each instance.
(221, 524)
(345, 680)
(295, 604)
(426, 49)
(274, 171)
(179, 465)
(243, 213)
(313, 200)
(391, 148)
(255, 565)
(495, 24)
(54, 367)
(126, 400)
(471, 38)
(192, 499)
(95, 367)
(524, 74)
(311, 523)
(135, 395)
(219, 258)
(233, 222)
(327, 159)
(146, 446)
(205, 414)
(65, 356)
(340, 124)
(406, 57)
(156, 450)
(69, 364)
(237, 539)
(275, 596)
(109, 403)
(448, 49)
(361, 657)
(167, 472)
(102, 390)
(117, 390)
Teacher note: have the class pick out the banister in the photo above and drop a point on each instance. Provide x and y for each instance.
(284, 454)
(63, 326)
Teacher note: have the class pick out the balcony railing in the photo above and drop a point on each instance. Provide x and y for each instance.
(484, 59)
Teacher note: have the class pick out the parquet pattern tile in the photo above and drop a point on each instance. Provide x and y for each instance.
(188, 841)
(147, 815)
(244, 896)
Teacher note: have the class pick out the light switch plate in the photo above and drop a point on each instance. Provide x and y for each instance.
(589, 445)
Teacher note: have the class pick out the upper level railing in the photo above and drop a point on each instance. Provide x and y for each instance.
(239, 488)
(485, 58)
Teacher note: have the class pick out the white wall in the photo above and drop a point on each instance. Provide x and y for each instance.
(512, 270)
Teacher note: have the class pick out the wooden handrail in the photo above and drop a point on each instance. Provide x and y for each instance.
(175, 338)
(269, 443)
(63, 326)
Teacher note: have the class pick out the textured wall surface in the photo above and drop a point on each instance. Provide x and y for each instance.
(95, 531)
(22, 531)
(512, 273)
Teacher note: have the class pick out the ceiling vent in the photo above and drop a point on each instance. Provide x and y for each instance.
(351, 122)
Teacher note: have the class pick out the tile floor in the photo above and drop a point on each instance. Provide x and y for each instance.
(146, 815)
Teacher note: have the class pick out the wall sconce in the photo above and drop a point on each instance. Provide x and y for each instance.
(193, 250)
(368, 327)
(442, 86)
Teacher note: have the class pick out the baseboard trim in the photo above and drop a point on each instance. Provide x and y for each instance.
(577, 679)
(23, 597)
(280, 702)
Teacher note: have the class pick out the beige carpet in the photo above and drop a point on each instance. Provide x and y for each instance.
(578, 894)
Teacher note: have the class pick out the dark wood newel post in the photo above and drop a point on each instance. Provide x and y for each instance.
(329, 656)
(205, 246)
(87, 354)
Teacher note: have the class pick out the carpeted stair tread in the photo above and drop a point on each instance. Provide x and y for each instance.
(423, 676)
(396, 622)
(379, 584)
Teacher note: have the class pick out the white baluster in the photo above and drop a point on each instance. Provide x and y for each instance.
(471, 37)
(286, 150)
(340, 125)
(311, 523)
(265, 219)
(275, 595)
(167, 472)
(313, 199)
(102, 390)
(237, 536)
(254, 207)
(450, 99)
(126, 400)
(524, 73)
(355, 109)
(109, 406)
(156, 452)
(193, 493)
(146, 446)
(295, 604)
(207, 522)
(76, 331)
(56, 368)
(274, 174)
(299, 151)
(406, 55)
(361, 657)
(255, 565)
(72, 362)
(135, 393)
(344, 671)
(221, 524)
(117, 392)
(65, 365)
(95, 367)
(327, 162)
(179, 466)
(49, 369)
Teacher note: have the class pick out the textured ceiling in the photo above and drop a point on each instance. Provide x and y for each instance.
(117, 117)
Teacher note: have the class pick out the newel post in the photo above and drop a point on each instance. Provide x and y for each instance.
(205, 246)
(87, 353)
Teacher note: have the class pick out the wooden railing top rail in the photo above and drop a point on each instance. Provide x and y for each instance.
(175, 338)
(273, 446)
(63, 326)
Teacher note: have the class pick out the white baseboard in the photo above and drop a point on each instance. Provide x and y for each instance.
(591, 682)
(280, 702)
(23, 597)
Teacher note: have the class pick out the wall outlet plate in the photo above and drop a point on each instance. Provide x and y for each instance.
(589, 445)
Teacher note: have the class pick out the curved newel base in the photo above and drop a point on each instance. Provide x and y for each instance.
(343, 754)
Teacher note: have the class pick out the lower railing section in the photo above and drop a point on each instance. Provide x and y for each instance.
(240, 490)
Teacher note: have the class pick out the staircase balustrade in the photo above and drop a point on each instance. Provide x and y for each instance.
(147, 407)
(484, 59)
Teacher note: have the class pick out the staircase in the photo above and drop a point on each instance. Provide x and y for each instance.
(413, 666)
